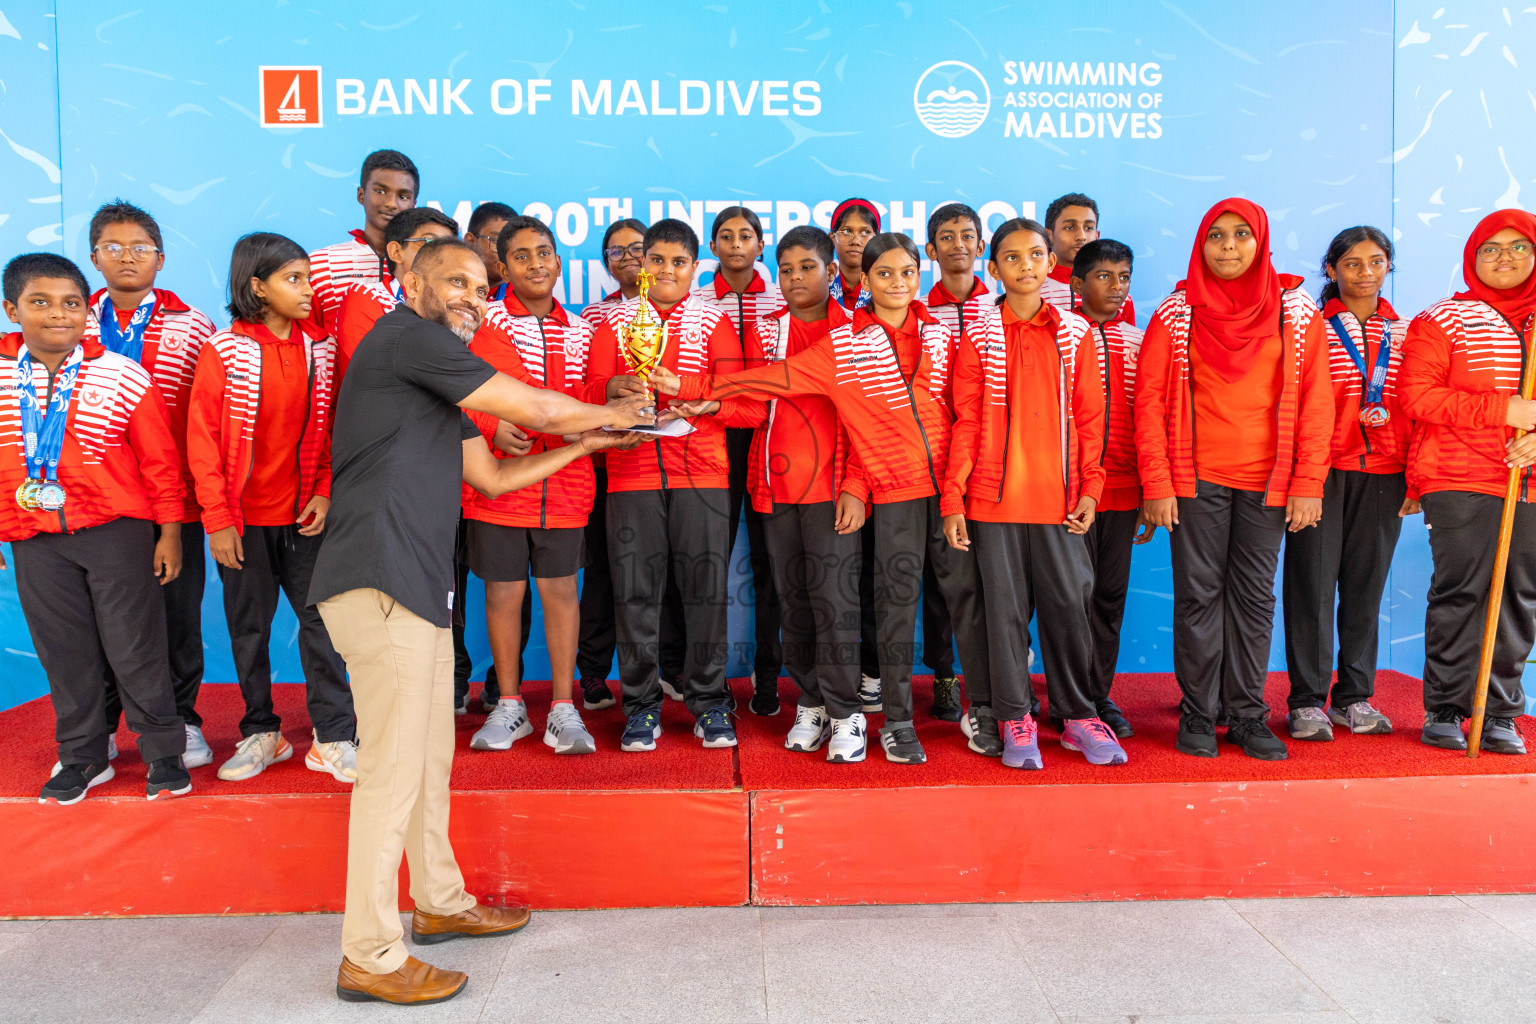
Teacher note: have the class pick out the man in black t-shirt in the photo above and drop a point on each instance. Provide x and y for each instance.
(384, 585)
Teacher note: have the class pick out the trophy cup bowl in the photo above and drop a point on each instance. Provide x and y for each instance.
(644, 339)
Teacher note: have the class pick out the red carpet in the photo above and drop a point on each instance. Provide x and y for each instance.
(1150, 703)
(762, 763)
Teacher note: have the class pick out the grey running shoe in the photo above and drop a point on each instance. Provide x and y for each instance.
(1310, 724)
(507, 722)
(1094, 740)
(869, 694)
(1502, 736)
(1361, 719)
(981, 731)
(198, 752)
(565, 732)
(1442, 728)
(1021, 743)
(901, 744)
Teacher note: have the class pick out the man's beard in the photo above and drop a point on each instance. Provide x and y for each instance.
(438, 312)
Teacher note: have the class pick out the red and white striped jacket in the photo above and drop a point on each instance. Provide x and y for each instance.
(792, 442)
(549, 353)
(595, 313)
(700, 340)
(983, 404)
(899, 431)
(362, 304)
(173, 339)
(119, 460)
(225, 414)
(1461, 364)
(332, 268)
(956, 315)
(1119, 345)
(761, 299)
(1357, 447)
(1165, 405)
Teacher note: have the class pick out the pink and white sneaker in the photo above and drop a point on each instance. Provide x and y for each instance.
(1094, 740)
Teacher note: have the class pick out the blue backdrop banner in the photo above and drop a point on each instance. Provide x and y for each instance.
(256, 117)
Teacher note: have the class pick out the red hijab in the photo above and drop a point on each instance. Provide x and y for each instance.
(1232, 319)
(1516, 304)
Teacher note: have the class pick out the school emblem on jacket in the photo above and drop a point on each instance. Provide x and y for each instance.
(93, 398)
(952, 99)
(572, 346)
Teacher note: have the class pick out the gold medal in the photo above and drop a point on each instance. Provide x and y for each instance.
(26, 495)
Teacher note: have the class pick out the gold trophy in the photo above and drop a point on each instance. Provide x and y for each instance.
(644, 339)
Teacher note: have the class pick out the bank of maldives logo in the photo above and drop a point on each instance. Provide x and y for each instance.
(290, 96)
(952, 99)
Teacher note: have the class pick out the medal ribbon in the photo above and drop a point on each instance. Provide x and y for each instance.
(44, 436)
(1376, 381)
(126, 341)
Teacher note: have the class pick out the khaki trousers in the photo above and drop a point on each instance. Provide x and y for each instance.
(401, 667)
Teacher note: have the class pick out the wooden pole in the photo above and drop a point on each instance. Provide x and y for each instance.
(1500, 565)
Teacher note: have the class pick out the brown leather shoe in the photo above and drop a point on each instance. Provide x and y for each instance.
(477, 921)
(415, 982)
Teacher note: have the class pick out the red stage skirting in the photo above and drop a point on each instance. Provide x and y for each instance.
(689, 827)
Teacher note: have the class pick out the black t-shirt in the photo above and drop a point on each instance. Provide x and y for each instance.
(397, 465)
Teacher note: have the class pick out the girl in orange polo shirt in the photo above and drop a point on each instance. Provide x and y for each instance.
(1234, 420)
(259, 448)
(1024, 480)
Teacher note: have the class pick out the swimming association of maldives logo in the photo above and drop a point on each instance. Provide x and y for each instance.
(952, 99)
(290, 96)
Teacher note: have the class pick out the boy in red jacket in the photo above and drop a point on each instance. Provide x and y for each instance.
(259, 443)
(363, 302)
(1024, 478)
(1072, 221)
(1101, 280)
(87, 467)
(668, 503)
(388, 187)
(163, 334)
(529, 335)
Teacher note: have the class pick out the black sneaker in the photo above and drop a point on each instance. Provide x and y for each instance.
(714, 728)
(1197, 737)
(901, 745)
(595, 693)
(1111, 715)
(70, 784)
(981, 732)
(946, 699)
(1502, 736)
(641, 730)
(1253, 735)
(167, 778)
(765, 696)
(1442, 728)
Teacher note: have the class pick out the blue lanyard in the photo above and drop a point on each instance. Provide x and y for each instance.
(126, 341)
(501, 292)
(836, 292)
(399, 293)
(44, 436)
(1376, 382)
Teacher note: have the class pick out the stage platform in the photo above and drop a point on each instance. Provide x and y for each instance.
(683, 826)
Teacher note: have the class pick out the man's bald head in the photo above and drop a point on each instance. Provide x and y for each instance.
(446, 284)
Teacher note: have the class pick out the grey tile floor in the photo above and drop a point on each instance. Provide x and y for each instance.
(1417, 960)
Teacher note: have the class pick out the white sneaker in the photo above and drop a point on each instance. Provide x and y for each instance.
(566, 733)
(199, 753)
(338, 760)
(253, 754)
(848, 739)
(810, 731)
(869, 694)
(508, 722)
(669, 688)
(58, 766)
